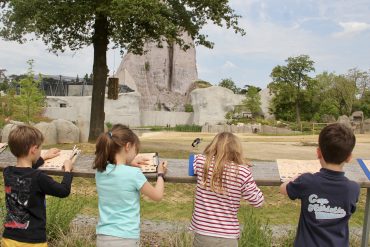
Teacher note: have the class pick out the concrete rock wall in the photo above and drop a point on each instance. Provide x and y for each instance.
(211, 104)
(125, 110)
(162, 118)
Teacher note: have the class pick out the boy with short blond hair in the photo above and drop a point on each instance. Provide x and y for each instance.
(328, 198)
(26, 187)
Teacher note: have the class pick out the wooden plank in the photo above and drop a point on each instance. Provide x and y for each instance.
(265, 173)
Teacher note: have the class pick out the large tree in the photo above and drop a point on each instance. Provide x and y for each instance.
(229, 84)
(253, 100)
(291, 80)
(128, 24)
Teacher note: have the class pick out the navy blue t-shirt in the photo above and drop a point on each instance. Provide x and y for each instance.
(328, 199)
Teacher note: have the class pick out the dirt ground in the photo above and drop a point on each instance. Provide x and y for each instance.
(255, 147)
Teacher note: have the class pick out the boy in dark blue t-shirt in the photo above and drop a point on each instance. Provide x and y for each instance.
(328, 198)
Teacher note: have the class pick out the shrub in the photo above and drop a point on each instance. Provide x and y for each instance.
(109, 125)
(189, 108)
(188, 128)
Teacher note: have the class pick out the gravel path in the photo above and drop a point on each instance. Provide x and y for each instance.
(148, 226)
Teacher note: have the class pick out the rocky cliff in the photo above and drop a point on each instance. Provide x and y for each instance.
(162, 75)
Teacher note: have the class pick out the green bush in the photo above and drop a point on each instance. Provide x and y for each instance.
(59, 214)
(254, 232)
(109, 125)
(188, 128)
(189, 108)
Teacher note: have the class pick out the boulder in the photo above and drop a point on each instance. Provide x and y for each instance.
(345, 120)
(326, 118)
(67, 132)
(6, 130)
(49, 131)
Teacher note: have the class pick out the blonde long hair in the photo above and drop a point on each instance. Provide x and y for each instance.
(225, 153)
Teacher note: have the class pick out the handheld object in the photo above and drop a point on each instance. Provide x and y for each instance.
(190, 165)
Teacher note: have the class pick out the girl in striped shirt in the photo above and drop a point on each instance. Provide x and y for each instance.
(222, 181)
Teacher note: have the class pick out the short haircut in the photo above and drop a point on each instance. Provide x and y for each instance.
(22, 138)
(336, 142)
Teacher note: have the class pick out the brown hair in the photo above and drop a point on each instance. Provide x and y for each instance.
(225, 153)
(336, 142)
(110, 143)
(22, 138)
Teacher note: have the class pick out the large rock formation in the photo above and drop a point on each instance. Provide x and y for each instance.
(162, 75)
(211, 104)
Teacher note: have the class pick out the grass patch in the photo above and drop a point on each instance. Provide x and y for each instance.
(254, 232)
(60, 213)
(77, 236)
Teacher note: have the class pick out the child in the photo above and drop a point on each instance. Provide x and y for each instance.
(119, 185)
(222, 181)
(328, 198)
(26, 187)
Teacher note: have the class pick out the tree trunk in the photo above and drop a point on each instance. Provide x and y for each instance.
(298, 112)
(100, 73)
(170, 65)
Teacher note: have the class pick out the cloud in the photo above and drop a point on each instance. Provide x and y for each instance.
(228, 65)
(351, 28)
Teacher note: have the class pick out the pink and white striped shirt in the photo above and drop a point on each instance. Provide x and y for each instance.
(215, 214)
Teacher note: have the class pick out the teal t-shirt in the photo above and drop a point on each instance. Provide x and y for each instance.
(118, 190)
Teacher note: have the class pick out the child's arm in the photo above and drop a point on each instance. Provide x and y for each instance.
(156, 193)
(51, 153)
(139, 161)
(53, 188)
(251, 192)
(296, 187)
(283, 188)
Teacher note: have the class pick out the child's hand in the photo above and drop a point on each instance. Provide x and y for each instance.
(162, 168)
(140, 161)
(68, 165)
(51, 153)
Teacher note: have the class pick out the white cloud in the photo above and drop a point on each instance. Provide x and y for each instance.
(351, 28)
(228, 65)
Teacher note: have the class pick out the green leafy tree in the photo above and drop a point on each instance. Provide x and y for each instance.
(324, 98)
(228, 83)
(361, 79)
(128, 24)
(31, 98)
(290, 81)
(253, 100)
(343, 93)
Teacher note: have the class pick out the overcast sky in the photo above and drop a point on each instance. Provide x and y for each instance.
(334, 33)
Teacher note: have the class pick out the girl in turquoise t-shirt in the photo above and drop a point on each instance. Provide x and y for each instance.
(119, 181)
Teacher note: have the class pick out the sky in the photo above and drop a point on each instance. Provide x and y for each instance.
(334, 33)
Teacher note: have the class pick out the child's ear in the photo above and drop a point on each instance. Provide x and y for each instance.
(33, 149)
(127, 146)
(319, 154)
(349, 158)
